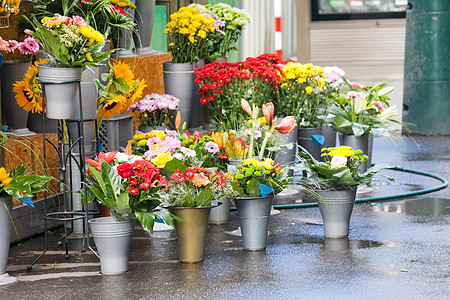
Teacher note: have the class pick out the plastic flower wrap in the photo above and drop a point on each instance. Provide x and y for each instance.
(188, 31)
(340, 171)
(155, 110)
(28, 90)
(299, 93)
(195, 186)
(9, 7)
(122, 89)
(69, 42)
(256, 178)
(362, 110)
(235, 20)
(27, 48)
(130, 186)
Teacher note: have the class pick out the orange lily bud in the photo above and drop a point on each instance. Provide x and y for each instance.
(287, 125)
(246, 107)
(178, 120)
(267, 110)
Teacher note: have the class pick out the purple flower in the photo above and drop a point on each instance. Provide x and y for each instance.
(212, 147)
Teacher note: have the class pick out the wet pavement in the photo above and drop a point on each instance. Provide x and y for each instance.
(397, 249)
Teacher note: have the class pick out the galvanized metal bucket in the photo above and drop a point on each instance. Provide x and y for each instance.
(6, 205)
(220, 214)
(336, 209)
(253, 214)
(113, 240)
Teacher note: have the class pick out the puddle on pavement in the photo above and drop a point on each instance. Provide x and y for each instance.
(415, 207)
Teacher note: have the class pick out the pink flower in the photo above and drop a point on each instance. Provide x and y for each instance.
(268, 110)
(357, 85)
(27, 32)
(12, 45)
(3, 44)
(29, 46)
(212, 147)
(286, 125)
(79, 21)
(187, 152)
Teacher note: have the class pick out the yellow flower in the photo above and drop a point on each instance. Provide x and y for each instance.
(346, 151)
(122, 70)
(171, 44)
(142, 143)
(89, 57)
(308, 90)
(113, 106)
(157, 133)
(90, 33)
(218, 138)
(161, 159)
(139, 136)
(262, 121)
(4, 177)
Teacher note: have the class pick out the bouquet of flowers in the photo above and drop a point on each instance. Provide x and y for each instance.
(340, 171)
(230, 146)
(358, 111)
(9, 7)
(256, 140)
(195, 186)
(256, 178)
(299, 93)
(27, 49)
(69, 42)
(22, 186)
(28, 90)
(188, 31)
(235, 20)
(155, 110)
(223, 85)
(122, 90)
(131, 188)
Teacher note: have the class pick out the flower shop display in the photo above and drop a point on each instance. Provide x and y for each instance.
(131, 189)
(21, 186)
(359, 112)
(71, 45)
(190, 196)
(21, 54)
(334, 183)
(188, 34)
(257, 180)
(155, 111)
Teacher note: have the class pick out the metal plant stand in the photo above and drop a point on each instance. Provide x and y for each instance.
(68, 215)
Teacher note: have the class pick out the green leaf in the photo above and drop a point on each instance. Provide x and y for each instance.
(253, 189)
(173, 165)
(204, 197)
(147, 220)
(121, 85)
(189, 200)
(20, 170)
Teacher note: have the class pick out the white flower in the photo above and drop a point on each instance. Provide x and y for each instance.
(338, 162)
(212, 147)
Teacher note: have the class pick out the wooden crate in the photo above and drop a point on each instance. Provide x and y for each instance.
(29, 152)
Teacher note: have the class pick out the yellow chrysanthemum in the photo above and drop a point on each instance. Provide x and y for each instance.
(90, 33)
(161, 159)
(139, 136)
(142, 143)
(4, 177)
(346, 151)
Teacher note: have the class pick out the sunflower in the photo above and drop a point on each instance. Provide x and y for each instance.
(27, 96)
(137, 93)
(113, 106)
(4, 177)
(122, 70)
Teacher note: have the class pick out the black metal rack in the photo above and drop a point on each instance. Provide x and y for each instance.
(68, 215)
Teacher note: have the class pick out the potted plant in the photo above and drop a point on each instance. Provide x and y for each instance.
(356, 113)
(22, 186)
(257, 180)
(190, 196)
(71, 45)
(334, 183)
(188, 33)
(155, 111)
(21, 54)
(131, 190)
